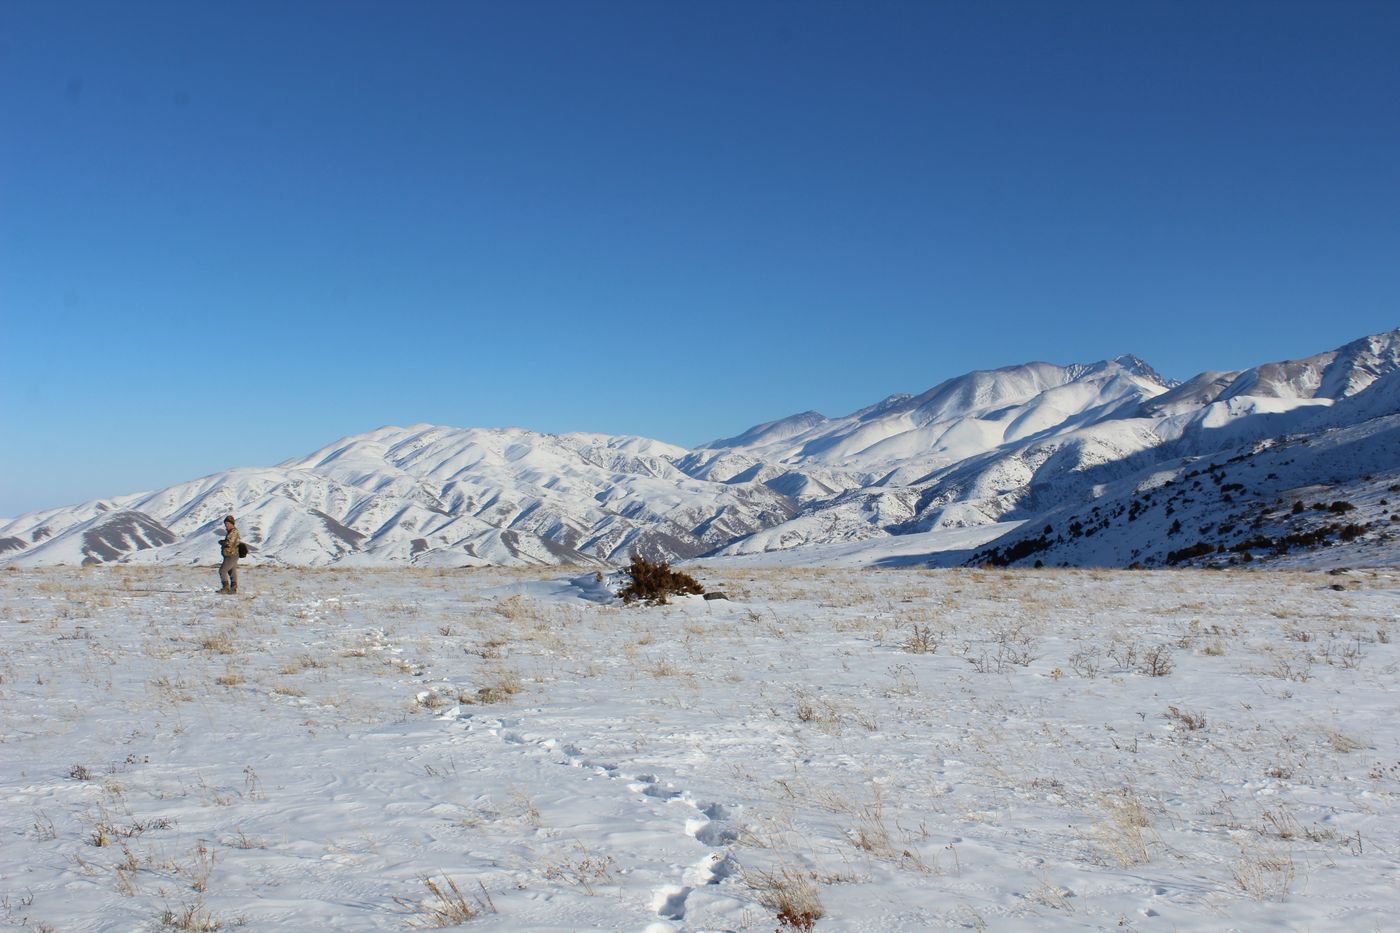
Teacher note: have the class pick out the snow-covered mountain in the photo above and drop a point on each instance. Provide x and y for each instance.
(1018, 444)
(1110, 438)
(425, 494)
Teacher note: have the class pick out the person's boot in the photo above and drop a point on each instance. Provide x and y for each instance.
(233, 588)
(223, 590)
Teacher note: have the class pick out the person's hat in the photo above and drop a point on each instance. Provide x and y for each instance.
(228, 520)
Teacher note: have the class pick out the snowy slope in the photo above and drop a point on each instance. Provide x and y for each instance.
(899, 752)
(1070, 464)
(955, 420)
(1011, 445)
(1326, 499)
(428, 495)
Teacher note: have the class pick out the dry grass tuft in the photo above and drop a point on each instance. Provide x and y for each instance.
(791, 895)
(231, 677)
(1187, 719)
(505, 685)
(921, 640)
(582, 869)
(191, 917)
(1127, 830)
(448, 906)
(1263, 873)
(220, 642)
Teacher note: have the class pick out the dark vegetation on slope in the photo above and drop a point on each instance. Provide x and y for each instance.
(1214, 515)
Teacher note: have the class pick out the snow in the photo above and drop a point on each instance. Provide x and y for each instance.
(1226, 502)
(896, 550)
(919, 749)
(1015, 444)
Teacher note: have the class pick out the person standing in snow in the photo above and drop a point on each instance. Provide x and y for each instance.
(228, 547)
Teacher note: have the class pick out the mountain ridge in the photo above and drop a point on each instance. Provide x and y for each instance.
(1006, 445)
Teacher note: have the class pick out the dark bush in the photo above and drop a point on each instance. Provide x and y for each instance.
(1340, 506)
(1351, 532)
(1305, 539)
(652, 582)
(1199, 549)
(996, 557)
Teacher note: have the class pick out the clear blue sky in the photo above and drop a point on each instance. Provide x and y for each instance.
(231, 232)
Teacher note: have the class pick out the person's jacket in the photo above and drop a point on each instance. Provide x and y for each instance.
(230, 544)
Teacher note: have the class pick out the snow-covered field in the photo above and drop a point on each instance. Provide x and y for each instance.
(889, 750)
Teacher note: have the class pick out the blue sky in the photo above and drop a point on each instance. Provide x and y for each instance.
(233, 232)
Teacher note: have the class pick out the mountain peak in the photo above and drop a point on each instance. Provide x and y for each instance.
(1140, 367)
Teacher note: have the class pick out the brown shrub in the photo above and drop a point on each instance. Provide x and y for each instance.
(654, 581)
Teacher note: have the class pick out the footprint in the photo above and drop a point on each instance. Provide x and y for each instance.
(660, 792)
(712, 869)
(715, 811)
(724, 867)
(647, 784)
(711, 825)
(670, 902)
(716, 834)
(715, 829)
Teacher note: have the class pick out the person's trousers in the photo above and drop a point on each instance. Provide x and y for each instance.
(228, 572)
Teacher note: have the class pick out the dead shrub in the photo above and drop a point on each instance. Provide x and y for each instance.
(791, 895)
(1157, 661)
(652, 582)
(1188, 720)
(922, 640)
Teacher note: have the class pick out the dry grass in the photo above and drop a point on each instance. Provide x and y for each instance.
(582, 869)
(1291, 729)
(447, 906)
(191, 918)
(922, 640)
(1188, 720)
(1263, 873)
(220, 642)
(231, 677)
(1126, 832)
(503, 685)
(518, 609)
(791, 895)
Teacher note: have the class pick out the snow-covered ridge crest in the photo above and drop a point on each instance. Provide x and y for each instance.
(994, 446)
(956, 419)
